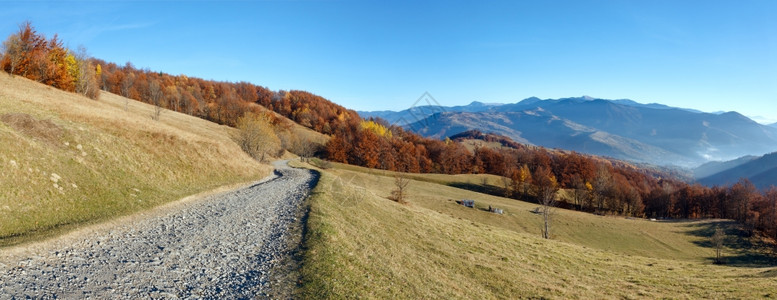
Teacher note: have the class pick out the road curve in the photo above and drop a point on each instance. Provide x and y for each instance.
(221, 246)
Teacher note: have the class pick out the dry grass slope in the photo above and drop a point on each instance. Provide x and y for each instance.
(67, 160)
(361, 245)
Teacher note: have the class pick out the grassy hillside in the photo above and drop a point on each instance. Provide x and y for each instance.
(362, 245)
(472, 144)
(69, 160)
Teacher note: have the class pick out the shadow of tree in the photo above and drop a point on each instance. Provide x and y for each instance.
(740, 249)
(768, 274)
(489, 190)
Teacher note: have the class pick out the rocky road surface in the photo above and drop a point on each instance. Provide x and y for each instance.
(223, 246)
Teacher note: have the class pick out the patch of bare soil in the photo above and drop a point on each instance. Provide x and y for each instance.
(43, 130)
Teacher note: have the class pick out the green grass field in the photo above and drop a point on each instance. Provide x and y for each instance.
(67, 160)
(361, 245)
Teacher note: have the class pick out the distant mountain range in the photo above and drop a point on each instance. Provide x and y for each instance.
(623, 129)
(761, 171)
(773, 125)
(716, 167)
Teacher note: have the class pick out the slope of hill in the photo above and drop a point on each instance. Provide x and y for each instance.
(539, 127)
(714, 167)
(69, 160)
(494, 141)
(622, 129)
(761, 171)
(773, 125)
(363, 245)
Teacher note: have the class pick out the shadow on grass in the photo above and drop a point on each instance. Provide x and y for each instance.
(489, 190)
(768, 274)
(740, 249)
(485, 189)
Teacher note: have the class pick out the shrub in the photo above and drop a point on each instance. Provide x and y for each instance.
(256, 136)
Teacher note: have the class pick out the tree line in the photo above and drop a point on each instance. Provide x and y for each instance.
(596, 185)
(29, 54)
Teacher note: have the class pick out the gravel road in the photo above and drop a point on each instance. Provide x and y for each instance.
(223, 246)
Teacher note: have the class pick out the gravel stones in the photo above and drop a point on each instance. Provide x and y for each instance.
(225, 246)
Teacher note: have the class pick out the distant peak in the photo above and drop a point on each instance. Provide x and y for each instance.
(732, 113)
(589, 98)
(530, 100)
(479, 104)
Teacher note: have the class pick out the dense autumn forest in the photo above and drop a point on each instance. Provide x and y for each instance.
(596, 184)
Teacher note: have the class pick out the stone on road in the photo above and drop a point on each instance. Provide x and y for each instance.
(222, 246)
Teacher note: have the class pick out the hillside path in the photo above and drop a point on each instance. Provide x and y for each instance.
(221, 246)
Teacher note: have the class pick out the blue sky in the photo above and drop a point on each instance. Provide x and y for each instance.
(374, 55)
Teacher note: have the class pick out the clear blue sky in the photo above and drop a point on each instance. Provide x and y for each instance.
(372, 55)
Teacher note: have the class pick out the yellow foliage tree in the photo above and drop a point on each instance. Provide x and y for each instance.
(71, 64)
(257, 137)
(524, 177)
(378, 129)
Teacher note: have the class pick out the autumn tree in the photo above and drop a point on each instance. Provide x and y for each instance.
(155, 96)
(366, 151)
(581, 190)
(190, 102)
(507, 185)
(12, 54)
(256, 136)
(30, 55)
(399, 194)
(617, 200)
(126, 83)
(85, 74)
(59, 67)
(388, 155)
(545, 186)
(407, 157)
(770, 213)
(741, 194)
(24, 53)
(304, 147)
(489, 161)
(659, 201)
(717, 240)
(602, 186)
(454, 158)
(634, 205)
(173, 97)
(520, 180)
(337, 149)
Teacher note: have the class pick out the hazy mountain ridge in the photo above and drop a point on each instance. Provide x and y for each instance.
(542, 129)
(622, 128)
(761, 171)
(418, 113)
(715, 167)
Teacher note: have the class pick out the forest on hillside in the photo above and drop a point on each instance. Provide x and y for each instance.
(598, 185)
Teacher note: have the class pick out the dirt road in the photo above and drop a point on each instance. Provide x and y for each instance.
(221, 246)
